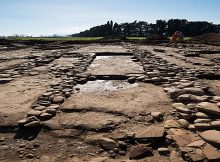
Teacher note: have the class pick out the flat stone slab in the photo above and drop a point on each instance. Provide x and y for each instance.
(141, 98)
(90, 120)
(114, 65)
(151, 133)
(211, 153)
(211, 136)
(103, 48)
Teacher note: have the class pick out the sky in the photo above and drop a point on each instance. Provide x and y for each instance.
(48, 17)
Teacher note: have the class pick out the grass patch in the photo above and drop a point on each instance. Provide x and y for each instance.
(136, 38)
(55, 38)
(185, 38)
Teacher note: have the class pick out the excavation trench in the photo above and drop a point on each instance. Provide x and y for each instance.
(110, 100)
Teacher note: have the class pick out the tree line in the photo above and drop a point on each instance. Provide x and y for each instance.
(143, 29)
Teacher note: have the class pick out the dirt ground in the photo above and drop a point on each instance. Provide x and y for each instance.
(70, 114)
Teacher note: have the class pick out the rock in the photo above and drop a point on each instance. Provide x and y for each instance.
(181, 108)
(174, 157)
(215, 124)
(58, 99)
(157, 115)
(34, 113)
(151, 133)
(156, 79)
(184, 110)
(202, 126)
(5, 75)
(122, 144)
(191, 127)
(173, 92)
(209, 108)
(32, 118)
(177, 105)
(202, 115)
(191, 98)
(163, 151)
(196, 156)
(67, 94)
(183, 123)
(108, 143)
(194, 91)
(211, 153)
(40, 108)
(51, 111)
(171, 124)
(47, 94)
(46, 116)
(53, 106)
(216, 98)
(5, 80)
(30, 156)
(131, 80)
(28, 120)
(182, 140)
(197, 144)
(22, 121)
(66, 133)
(186, 116)
(189, 84)
(191, 106)
(140, 78)
(2, 139)
(32, 124)
(137, 152)
(211, 136)
(202, 121)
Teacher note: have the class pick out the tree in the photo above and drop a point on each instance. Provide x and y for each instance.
(142, 28)
(161, 26)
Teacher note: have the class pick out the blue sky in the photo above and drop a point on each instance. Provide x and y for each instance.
(47, 17)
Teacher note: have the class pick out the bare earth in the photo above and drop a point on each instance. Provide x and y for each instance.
(66, 113)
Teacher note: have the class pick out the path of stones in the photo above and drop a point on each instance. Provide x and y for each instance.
(104, 103)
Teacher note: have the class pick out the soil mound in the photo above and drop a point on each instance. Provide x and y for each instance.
(210, 38)
(156, 39)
